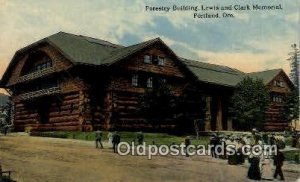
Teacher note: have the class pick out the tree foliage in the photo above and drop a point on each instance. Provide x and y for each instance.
(249, 103)
(161, 106)
(158, 105)
(294, 64)
(291, 105)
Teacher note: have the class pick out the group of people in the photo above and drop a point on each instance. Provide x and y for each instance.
(260, 166)
(114, 139)
(224, 140)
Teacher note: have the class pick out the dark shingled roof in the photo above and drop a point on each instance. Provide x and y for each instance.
(214, 74)
(86, 50)
(266, 75)
(121, 53)
(82, 49)
(226, 76)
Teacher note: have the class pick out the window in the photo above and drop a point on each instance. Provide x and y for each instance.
(278, 99)
(281, 84)
(150, 82)
(36, 61)
(42, 66)
(147, 59)
(135, 80)
(278, 83)
(49, 64)
(161, 61)
(38, 67)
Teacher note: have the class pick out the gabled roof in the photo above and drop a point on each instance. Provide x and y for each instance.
(86, 50)
(214, 74)
(266, 76)
(123, 52)
(82, 49)
(77, 48)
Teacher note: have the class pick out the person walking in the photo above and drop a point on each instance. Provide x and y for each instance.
(5, 129)
(214, 141)
(110, 137)
(187, 143)
(140, 137)
(278, 162)
(254, 170)
(116, 140)
(98, 138)
(266, 168)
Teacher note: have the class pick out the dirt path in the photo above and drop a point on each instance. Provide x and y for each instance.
(48, 159)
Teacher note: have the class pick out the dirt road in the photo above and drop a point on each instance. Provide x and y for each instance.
(48, 159)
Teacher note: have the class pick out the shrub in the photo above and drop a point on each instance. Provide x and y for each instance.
(49, 134)
(28, 129)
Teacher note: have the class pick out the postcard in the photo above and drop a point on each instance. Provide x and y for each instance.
(149, 90)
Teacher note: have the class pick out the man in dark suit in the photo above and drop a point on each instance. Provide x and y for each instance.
(278, 162)
(116, 140)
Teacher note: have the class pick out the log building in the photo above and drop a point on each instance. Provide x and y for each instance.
(74, 82)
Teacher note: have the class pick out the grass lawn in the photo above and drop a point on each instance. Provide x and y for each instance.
(149, 138)
(292, 155)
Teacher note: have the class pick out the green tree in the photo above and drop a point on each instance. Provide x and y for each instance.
(294, 64)
(291, 106)
(158, 105)
(8, 109)
(249, 103)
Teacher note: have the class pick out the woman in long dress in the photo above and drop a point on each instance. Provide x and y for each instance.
(254, 169)
(266, 168)
(110, 138)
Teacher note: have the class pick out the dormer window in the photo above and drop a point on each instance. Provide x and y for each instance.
(147, 59)
(36, 61)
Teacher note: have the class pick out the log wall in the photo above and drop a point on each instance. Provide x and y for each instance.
(284, 89)
(275, 120)
(86, 103)
(63, 113)
(122, 100)
(170, 68)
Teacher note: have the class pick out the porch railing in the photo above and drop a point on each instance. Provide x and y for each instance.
(36, 74)
(39, 93)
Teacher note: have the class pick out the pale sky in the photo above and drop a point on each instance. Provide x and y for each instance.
(253, 41)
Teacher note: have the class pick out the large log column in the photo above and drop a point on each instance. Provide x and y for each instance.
(219, 125)
(81, 110)
(229, 124)
(208, 114)
(108, 109)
